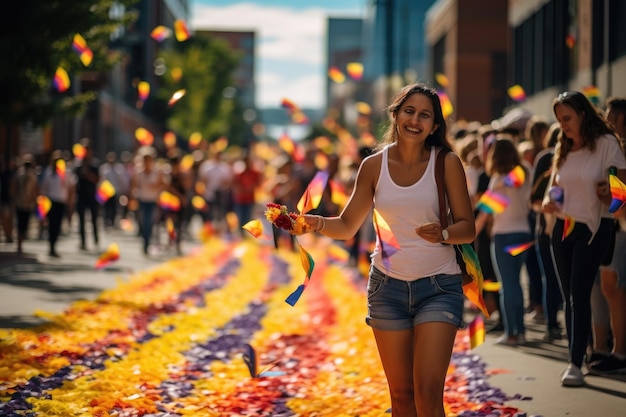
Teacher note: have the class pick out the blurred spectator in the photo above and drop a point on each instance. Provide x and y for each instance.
(60, 189)
(113, 171)
(7, 171)
(24, 190)
(87, 179)
(247, 179)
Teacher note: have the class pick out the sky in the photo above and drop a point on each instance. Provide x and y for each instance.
(290, 42)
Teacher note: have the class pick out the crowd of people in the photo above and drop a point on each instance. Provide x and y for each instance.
(553, 176)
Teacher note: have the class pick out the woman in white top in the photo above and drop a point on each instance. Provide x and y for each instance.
(415, 295)
(587, 148)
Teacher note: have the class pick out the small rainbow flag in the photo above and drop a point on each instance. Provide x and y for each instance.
(111, 254)
(43, 206)
(618, 193)
(592, 93)
(338, 193)
(312, 196)
(355, 70)
(168, 201)
(61, 80)
(307, 264)
(288, 104)
(568, 227)
(476, 329)
(492, 202)
(79, 45)
(336, 75)
(516, 177)
(105, 191)
(180, 30)
(515, 250)
(160, 33)
(388, 243)
(517, 93)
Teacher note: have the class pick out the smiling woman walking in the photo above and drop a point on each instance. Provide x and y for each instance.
(415, 295)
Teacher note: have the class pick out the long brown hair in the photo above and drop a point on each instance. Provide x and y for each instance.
(438, 138)
(593, 124)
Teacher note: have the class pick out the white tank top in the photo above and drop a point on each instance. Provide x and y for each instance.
(405, 208)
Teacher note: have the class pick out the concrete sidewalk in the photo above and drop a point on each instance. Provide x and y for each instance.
(35, 281)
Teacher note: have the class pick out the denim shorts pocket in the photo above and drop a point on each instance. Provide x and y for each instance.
(451, 284)
(375, 282)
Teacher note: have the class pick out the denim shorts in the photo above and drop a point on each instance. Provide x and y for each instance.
(394, 304)
(618, 263)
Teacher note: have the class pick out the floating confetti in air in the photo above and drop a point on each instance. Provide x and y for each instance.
(338, 193)
(171, 230)
(517, 93)
(194, 140)
(312, 196)
(515, 250)
(336, 75)
(79, 45)
(288, 104)
(168, 201)
(61, 80)
(169, 139)
(386, 239)
(492, 202)
(618, 191)
(338, 254)
(110, 255)
(61, 168)
(442, 80)
(363, 108)
(568, 226)
(355, 70)
(176, 96)
(143, 90)
(220, 144)
(105, 191)
(78, 151)
(446, 105)
(44, 204)
(491, 286)
(199, 203)
(250, 359)
(254, 227)
(160, 33)
(476, 331)
(144, 136)
(180, 30)
(516, 177)
(177, 74)
(186, 162)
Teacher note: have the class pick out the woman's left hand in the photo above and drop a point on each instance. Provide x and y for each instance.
(430, 232)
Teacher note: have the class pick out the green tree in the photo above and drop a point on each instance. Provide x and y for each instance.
(207, 65)
(36, 38)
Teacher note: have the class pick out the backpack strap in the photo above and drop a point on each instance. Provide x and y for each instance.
(439, 179)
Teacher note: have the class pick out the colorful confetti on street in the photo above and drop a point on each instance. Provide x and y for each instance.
(176, 340)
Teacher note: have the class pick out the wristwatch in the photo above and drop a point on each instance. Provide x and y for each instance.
(445, 235)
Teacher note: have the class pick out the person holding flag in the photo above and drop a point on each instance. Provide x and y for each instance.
(587, 147)
(415, 294)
